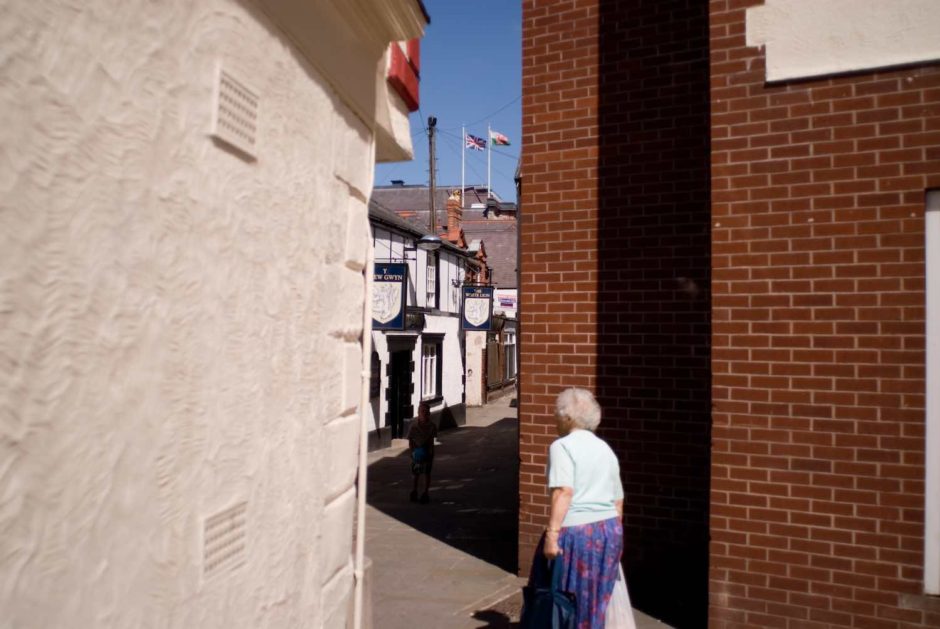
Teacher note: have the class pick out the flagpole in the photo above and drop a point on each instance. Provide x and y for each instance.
(489, 152)
(463, 164)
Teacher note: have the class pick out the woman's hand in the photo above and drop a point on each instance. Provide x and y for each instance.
(550, 548)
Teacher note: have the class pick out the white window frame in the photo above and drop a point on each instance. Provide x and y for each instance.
(932, 446)
(460, 272)
(509, 345)
(431, 281)
(430, 355)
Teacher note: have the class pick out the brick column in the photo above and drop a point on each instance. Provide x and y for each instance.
(615, 270)
(558, 253)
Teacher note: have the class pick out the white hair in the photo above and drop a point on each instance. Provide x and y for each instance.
(579, 407)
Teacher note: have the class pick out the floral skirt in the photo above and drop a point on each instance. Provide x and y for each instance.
(591, 566)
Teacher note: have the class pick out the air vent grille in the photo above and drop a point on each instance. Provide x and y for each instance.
(224, 540)
(236, 114)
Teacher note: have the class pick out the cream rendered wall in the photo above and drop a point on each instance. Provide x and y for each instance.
(379, 406)
(475, 345)
(447, 270)
(806, 38)
(170, 337)
(452, 387)
(390, 245)
(420, 266)
(452, 363)
(452, 273)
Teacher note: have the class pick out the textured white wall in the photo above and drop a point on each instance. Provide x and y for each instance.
(418, 268)
(806, 38)
(452, 363)
(380, 404)
(452, 271)
(179, 328)
(475, 343)
(388, 245)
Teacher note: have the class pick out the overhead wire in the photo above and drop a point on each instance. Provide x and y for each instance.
(424, 130)
(489, 115)
(504, 154)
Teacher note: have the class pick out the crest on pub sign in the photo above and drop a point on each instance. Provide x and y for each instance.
(476, 310)
(386, 302)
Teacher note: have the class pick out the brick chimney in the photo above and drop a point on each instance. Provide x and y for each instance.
(454, 216)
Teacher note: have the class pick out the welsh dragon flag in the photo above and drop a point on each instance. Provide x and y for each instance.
(498, 139)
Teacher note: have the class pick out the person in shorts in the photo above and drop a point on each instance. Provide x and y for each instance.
(421, 435)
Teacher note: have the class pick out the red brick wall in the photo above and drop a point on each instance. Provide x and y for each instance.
(818, 347)
(558, 249)
(615, 270)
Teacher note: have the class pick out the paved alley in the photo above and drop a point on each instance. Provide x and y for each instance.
(450, 564)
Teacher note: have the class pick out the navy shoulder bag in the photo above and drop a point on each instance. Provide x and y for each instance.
(545, 606)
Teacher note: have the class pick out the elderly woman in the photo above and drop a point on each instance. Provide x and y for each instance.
(585, 530)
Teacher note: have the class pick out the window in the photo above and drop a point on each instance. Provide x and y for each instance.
(458, 274)
(432, 281)
(510, 349)
(932, 459)
(430, 369)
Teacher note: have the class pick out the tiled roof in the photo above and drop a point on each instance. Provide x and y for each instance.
(416, 197)
(411, 202)
(391, 219)
(499, 238)
(497, 230)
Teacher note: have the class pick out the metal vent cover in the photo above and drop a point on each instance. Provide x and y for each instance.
(235, 116)
(224, 540)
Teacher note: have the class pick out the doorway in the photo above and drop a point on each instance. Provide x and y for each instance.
(400, 389)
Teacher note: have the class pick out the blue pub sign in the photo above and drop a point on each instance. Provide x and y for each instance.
(389, 296)
(477, 312)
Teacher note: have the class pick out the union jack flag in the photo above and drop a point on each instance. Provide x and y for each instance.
(475, 143)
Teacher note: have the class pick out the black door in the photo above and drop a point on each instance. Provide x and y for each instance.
(399, 393)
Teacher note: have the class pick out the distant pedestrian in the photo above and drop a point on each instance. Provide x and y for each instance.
(421, 435)
(585, 529)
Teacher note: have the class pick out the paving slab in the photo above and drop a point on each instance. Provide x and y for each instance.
(451, 564)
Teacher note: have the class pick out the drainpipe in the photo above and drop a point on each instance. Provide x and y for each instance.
(359, 561)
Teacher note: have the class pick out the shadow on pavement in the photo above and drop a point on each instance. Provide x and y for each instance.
(474, 498)
(495, 620)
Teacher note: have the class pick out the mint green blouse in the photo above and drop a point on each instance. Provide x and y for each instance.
(583, 461)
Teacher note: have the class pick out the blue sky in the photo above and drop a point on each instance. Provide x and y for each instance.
(471, 74)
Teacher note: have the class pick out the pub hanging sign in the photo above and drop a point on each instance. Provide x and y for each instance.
(477, 308)
(389, 296)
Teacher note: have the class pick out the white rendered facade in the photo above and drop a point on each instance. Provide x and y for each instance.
(433, 339)
(179, 429)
